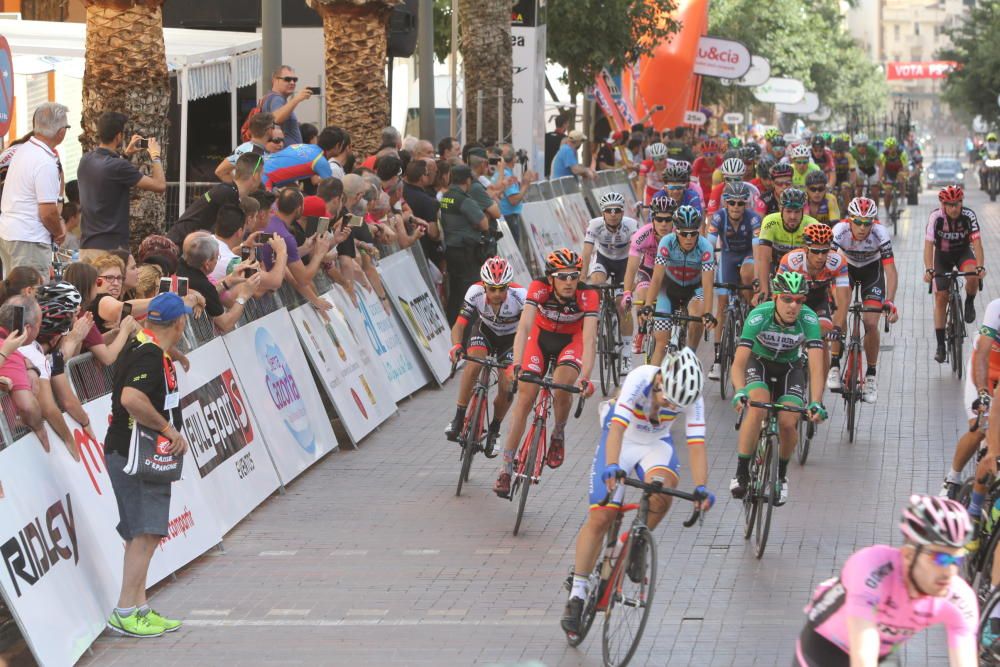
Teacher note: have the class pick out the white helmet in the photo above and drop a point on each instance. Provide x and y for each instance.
(682, 377)
(657, 151)
(860, 138)
(733, 168)
(611, 200)
(800, 151)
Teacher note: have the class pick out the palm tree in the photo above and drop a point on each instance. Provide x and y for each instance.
(126, 70)
(44, 10)
(355, 37)
(484, 40)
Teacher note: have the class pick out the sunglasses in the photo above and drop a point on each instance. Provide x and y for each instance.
(801, 161)
(497, 288)
(675, 187)
(658, 218)
(736, 202)
(709, 154)
(944, 560)
(783, 184)
(819, 251)
(789, 299)
(817, 189)
(614, 211)
(568, 275)
(289, 79)
(688, 235)
(112, 279)
(275, 141)
(863, 222)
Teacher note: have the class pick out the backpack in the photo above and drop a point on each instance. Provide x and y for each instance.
(245, 128)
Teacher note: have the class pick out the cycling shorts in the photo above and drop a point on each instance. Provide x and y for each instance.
(786, 382)
(872, 279)
(643, 276)
(963, 260)
(614, 269)
(729, 268)
(501, 347)
(819, 300)
(674, 297)
(637, 458)
(814, 650)
(545, 348)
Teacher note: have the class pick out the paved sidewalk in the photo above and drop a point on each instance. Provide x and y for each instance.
(370, 559)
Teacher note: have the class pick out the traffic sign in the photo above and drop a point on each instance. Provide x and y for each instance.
(695, 118)
(6, 86)
(733, 118)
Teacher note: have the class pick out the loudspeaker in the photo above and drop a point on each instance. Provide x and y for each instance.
(403, 29)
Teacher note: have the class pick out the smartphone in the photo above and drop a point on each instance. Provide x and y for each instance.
(143, 144)
(313, 89)
(165, 285)
(355, 221)
(18, 324)
(259, 253)
(265, 237)
(323, 226)
(182, 286)
(126, 310)
(245, 252)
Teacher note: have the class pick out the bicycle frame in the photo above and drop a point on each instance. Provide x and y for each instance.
(543, 407)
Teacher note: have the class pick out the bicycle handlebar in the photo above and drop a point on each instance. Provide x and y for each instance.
(607, 287)
(485, 361)
(735, 287)
(676, 316)
(780, 407)
(657, 487)
(951, 275)
(531, 378)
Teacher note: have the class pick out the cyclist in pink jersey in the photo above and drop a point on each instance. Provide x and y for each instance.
(642, 255)
(885, 595)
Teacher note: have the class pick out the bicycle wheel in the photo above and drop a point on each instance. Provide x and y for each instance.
(725, 354)
(633, 584)
(614, 344)
(988, 655)
(957, 334)
(851, 390)
(525, 470)
(470, 440)
(805, 439)
(750, 504)
(768, 496)
(604, 352)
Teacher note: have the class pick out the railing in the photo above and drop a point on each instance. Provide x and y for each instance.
(173, 197)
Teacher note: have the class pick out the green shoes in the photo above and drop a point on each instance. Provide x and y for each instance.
(145, 625)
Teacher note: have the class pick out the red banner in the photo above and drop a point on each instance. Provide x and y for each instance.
(937, 69)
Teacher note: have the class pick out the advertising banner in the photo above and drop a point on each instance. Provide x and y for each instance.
(577, 214)
(572, 229)
(721, 58)
(419, 310)
(808, 104)
(507, 248)
(758, 74)
(938, 69)
(780, 91)
(336, 356)
(543, 229)
(279, 387)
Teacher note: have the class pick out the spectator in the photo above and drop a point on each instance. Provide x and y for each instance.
(342, 147)
(309, 133)
(131, 273)
(424, 149)
(20, 281)
(514, 190)
(449, 149)
(289, 209)
(149, 281)
(229, 227)
(201, 214)
(566, 162)
(106, 306)
(554, 140)
(30, 222)
(201, 254)
(391, 140)
(83, 277)
(70, 213)
(479, 164)
(281, 102)
(419, 177)
(443, 179)
(389, 169)
(14, 366)
(8, 154)
(463, 222)
(145, 393)
(302, 161)
(233, 228)
(261, 142)
(106, 180)
(161, 251)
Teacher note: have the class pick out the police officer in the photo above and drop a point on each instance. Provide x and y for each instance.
(462, 221)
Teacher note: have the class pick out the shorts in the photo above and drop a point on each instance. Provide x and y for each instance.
(814, 650)
(787, 382)
(729, 268)
(674, 297)
(643, 276)
(614, 269)
(484, 338)
(545, 348)
(946, 261)
(37, 256)
(637, 458)
(872, 279)
(143, 507)
(821, 303)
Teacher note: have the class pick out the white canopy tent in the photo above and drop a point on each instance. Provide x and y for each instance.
(206, 62)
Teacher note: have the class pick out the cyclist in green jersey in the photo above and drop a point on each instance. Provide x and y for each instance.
(780, 233)
(866, 160)
(894, 167)
(768, 366)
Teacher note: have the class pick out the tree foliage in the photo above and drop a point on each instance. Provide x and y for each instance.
(973, 88)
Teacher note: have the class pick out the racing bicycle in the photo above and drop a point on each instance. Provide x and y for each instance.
(954, 329)
(477, 415)
(610, 348)
(853, 378)
(895, 198)
(736, 313)
(679, 320)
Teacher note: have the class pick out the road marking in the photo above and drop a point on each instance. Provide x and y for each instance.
(526, 612)
(366, 612)
(493, 552)
(447, 612)
(349, 552)
(357, 622)
(277, 553)
(210, 612)
(289, 612)
(421, 552)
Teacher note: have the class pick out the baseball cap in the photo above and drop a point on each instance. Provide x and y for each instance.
(577, 135)
(165, 308)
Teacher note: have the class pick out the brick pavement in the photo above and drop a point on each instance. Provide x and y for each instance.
(370, 559)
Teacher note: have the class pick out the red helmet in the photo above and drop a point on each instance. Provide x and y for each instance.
(496, 272)
(862, 207)
(562, 259)
(710, 146)
(952, 193)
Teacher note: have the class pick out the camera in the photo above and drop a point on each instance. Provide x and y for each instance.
(522, 157)
(142, 144)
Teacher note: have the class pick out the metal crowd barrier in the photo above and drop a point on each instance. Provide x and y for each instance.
(11, 428)
(90, 378)
(173, 197)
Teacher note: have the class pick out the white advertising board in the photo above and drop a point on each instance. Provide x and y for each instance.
(721, 58)
(780, 91)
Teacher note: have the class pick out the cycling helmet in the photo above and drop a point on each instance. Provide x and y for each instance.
(929, 520)
(818, 141)
(789, 282)
(610, 200)
(862, 207)
(799, 152)
(753, 149)
(733, 168)
(860, 139)
(952, 193)
(562, 260)
(826, 136)
(778, 142)
(747, 154)
(818, 234)
(677, 172)
(496, 272)
(735, 142)
(991, 136)
(663, 204)
(781, 169)
(765, 166)
(60, 303)
(771, 134)
(815, 178)
(709, 146)
(657, 151)
(840, 145)
(687, 217)
(793, 198)
(682, 378)
(738, 190)
(890, 143)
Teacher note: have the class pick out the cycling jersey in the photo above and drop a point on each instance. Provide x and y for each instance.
(770, 201)
(990, 328)
(872, 586)
(691, 197)
(891, 165)
(799, 178)
(557, 316)
(877, 245)
(611, 244)
(685, 268)
(755, 203)
(824, 161)
(774, 235)
(867, 162)
(833, 273)
(702, 169)
(502, 322)
(827, 211)
(952, 236)
(654, 178)
(771, 341)
(294, 163)
(643, 246)
(843, 165)
(737, 239)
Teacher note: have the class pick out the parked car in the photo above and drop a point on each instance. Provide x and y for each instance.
(944, 171)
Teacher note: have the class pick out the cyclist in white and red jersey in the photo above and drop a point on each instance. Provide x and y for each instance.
(952, 241)
(642, 257)
(651, 171)
(733, 171)
(885, 595)
(558, 328)
(493, 307)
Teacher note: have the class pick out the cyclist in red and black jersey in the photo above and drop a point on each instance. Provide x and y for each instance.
(558, 327)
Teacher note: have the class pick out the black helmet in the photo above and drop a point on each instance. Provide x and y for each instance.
(815, 178)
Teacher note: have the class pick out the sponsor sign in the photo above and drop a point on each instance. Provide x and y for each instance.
(6, 86)
(937, 69)
(507, 248)
(820, 114)
(757, 75)
(543, 235)
(722, 58)
(733, 118)
(807, 105)
(780, 91)
(695, 118)
(527, 39)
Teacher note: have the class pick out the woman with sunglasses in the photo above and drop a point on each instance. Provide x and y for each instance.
(868, 248)
(820, 204)
(885, 595)
(642, 256)
(770, 348)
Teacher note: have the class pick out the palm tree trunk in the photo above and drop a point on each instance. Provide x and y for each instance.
(44, 10)
(484, 40)
(126, 70)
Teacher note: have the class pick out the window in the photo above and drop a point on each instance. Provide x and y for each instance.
(916, 28)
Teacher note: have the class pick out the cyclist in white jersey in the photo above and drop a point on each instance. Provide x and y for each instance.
(605, 252)
(493, 306)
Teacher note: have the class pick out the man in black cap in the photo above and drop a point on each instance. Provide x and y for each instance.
(462, 222)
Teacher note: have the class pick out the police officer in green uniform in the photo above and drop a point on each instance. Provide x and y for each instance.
(462, 222)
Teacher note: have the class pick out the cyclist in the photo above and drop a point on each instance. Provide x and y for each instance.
(635, 440)
(679, 187)
(558, 327)
(770, 349)
(845, 170)
(894, 167)
(802, 165)
(952, 241)
(781, 180)
(750, 154)
(642, 256)
(651, 171)
(820, 204)
(611, 235)
(705, 164)
(867, 163)
(776, 147)
(822, 157)
(868, 248)
(493, 306)
(780, 233)
(885, 595)
(767, 192)
(733, 171)
(988, 151)
(735, 231)
(683, 279)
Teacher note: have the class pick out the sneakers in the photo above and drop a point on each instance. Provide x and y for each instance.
(637, 343)
(950, 488)
(941, 355)
(168, 624)
(454, 429)
(492, 435)
(502, 485)
(782, 493)
(833, 382)
(571, 617)
(738, 486)
(716, 371)
(869, 394)
(135, 625)
(556, 450)
(970, 311)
